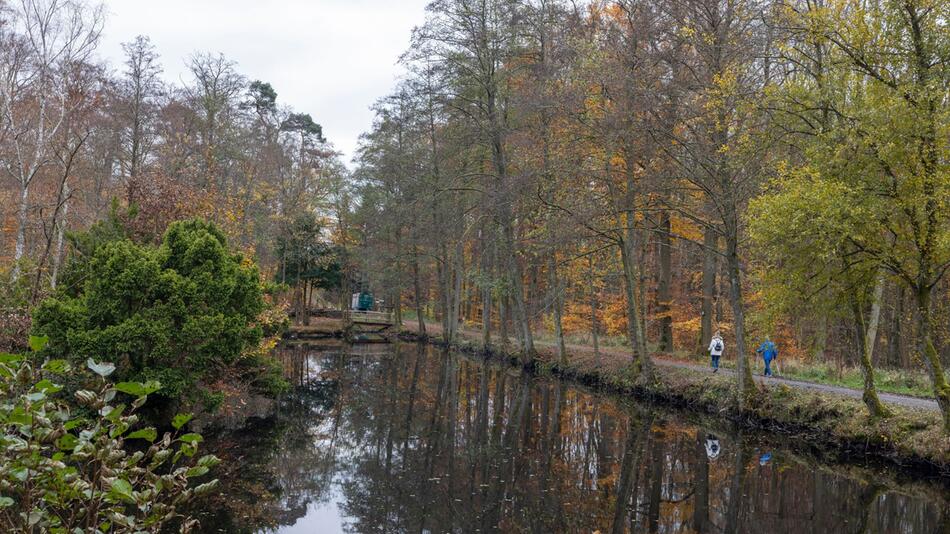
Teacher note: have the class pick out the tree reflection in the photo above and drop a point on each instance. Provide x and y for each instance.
(421, 440)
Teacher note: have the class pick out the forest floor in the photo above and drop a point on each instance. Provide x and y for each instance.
(613, 359)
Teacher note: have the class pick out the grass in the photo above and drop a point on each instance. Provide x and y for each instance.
(887, 380)
(899, 381)
(603, 341)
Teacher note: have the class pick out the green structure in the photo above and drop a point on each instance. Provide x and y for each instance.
(363, 301)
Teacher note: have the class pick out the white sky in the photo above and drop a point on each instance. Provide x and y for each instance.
(329, 58)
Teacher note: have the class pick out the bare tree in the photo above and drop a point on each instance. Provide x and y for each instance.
(39, 45)
(139, 91)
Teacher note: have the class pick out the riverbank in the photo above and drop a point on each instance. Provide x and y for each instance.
(828, 423)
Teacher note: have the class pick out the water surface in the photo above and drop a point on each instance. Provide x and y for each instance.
(409, 438)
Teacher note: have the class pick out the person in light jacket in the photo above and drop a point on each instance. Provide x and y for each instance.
(716, 347)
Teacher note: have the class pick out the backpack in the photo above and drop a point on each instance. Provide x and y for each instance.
(718, 346)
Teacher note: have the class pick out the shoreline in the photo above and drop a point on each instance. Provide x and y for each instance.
(911, 439)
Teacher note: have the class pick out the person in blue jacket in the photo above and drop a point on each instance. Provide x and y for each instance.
(769, 352)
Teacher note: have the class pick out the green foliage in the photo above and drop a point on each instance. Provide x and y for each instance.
(303, 124)
(801, 233)
(184, 313)
(60, 472)
(305, 257)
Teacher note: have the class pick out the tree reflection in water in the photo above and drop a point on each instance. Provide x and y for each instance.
(414, 439)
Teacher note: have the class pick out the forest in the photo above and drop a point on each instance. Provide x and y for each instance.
(549, 176)
(654, 172)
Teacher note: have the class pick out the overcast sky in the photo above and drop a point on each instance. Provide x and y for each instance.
(329, 58)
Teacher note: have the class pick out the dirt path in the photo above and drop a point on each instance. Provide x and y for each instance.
(617, 358)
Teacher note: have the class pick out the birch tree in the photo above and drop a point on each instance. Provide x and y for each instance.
(40, 43)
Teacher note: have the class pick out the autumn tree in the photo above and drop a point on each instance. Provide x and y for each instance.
(883, 84)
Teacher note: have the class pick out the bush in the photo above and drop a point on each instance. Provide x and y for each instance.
(184, 313)
(60, 472)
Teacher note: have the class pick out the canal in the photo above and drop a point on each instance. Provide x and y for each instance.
(410, 438)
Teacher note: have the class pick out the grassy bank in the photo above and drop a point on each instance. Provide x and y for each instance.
(835, 425)
(898, 381)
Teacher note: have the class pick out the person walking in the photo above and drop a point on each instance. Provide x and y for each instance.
(769, 352)
(716, 347)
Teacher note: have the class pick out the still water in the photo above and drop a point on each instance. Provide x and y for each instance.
(409, 438)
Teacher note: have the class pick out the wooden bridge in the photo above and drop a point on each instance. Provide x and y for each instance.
(351, 325)
(367, 322)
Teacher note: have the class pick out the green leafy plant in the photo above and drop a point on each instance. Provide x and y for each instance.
(186, 313)
(86, 464)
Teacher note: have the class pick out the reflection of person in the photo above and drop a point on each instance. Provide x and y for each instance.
(712, 447)
(716, 347)
(769, 352)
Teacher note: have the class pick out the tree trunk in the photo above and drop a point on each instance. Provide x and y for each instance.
(641, 359)
(710, 247)
(557, 301)
(20, 246)
(895, 337)
(928, 352)
(520, 307)
(503, 320)
(664, 288)
(486, 296)
(744, 383)
(456, 300)
(397, 310)
(867, 336)
(417, 289)
(593, 310)
(60, 238)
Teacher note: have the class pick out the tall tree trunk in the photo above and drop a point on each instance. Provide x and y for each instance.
(928, 352)
(60, 240)
(710, 248)
(744, 383)
(664, 288)
(446, 284)
(397, 309)
(503, 320)
(417, 290)
(629, 248)
(867, 336)
(520, 307)
(641, 360)
(594, 334)
(504, 211)
(456, 300)
(557, 301)
(20, 246)
(487, 285)
(895, 337)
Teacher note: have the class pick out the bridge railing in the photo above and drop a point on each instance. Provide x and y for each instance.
(369, 317)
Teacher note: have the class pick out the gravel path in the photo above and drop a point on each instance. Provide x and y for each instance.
(618, 357)
(888, 398)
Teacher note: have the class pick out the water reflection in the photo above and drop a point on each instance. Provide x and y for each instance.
(417, 440)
